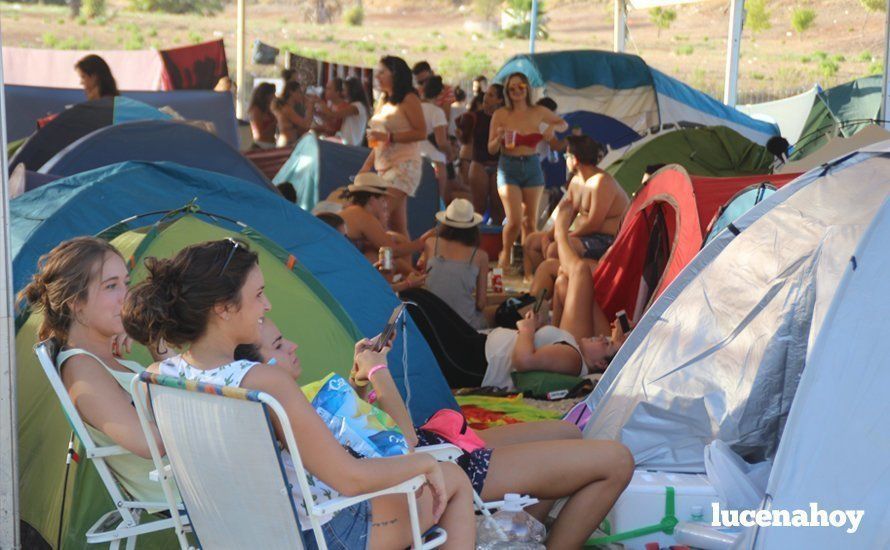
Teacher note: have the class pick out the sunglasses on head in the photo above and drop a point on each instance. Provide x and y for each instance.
(235, 244)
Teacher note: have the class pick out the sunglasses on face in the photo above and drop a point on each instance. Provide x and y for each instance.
(235, 244)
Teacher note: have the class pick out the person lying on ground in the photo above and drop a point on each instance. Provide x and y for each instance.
(591, 473)
(211, 298)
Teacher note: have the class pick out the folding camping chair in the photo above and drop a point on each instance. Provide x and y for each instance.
(225, 461)
(122, 523)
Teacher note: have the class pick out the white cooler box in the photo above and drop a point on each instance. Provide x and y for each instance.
(643, 504)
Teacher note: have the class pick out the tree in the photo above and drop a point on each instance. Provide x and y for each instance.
(520, 11)
(870, 6)
(662, 18)
(802, 19)
(757, 17)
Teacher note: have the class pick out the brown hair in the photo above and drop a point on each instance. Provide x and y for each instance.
(528, 90)
(174, 302)
(93, 65)
(63, 277)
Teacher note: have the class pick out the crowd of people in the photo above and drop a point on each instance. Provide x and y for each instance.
(203, 312)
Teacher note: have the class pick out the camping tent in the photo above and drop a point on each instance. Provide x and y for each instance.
(624, 87)
(789, 114)
(716, 151)
(720, 353)
(835, 446)
(302, 308)
(78, 121)
(22, 181)
(662, 231)
(27, 104)
(741, 202)
(602, 128)
(837, 146)
(844, 110)
(154, 140)
(318, 166)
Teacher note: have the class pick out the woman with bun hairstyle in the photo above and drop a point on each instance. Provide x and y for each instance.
(79, 287)
(210, 298)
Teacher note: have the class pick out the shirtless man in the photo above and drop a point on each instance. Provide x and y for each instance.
(600, 203)
(366, 217)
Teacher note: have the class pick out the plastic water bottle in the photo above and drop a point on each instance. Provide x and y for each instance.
(510, 527)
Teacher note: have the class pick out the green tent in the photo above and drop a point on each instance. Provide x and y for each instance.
(704, 151)
(843, 111)
(302, 308)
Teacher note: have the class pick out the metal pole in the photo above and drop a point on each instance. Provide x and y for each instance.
(885, 98)
(731, 85)
(9, 477)
(533, 27)
(239, 62)
(620, 31)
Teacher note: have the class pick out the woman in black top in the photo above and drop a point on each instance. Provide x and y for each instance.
(484, 166)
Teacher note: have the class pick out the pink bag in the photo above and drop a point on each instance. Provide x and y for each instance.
(452, 426)
(579, 415)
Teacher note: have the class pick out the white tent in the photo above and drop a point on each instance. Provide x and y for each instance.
(836, 445)
(720, 353)
(789, 114)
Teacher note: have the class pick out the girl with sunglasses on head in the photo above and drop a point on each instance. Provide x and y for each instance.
(210, 298)
(516, 130)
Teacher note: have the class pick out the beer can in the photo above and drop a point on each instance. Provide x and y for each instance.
(497, 280)
(385, 257)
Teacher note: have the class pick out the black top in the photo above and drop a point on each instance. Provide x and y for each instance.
(480, 139)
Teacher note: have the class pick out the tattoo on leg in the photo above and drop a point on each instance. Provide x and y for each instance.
(384, 523)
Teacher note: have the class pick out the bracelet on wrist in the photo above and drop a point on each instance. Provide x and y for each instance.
(375, 369)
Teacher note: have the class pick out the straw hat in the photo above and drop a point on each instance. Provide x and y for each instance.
(459, 214)
(369, 182)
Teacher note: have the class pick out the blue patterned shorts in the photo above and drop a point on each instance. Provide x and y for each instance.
(474, 464)
(348, 530)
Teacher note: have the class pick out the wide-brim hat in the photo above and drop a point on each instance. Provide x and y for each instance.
(460, 214)
(369, 182)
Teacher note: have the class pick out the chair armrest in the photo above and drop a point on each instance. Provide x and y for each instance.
(111, 450)
(155, 476)
(445, 452)
(339, 503)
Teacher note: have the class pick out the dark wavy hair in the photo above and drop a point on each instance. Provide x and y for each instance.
(468, 236)
(262, 97)
(93, 65)
(355, 91)
(63, 277)
(433, 87)
(402, 79)
(175, 301)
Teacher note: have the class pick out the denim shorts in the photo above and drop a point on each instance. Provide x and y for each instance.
(350, 529)
(524, 171)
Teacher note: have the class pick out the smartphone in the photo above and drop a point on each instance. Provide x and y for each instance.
(389, 329)
(621, 317)
(540, 300)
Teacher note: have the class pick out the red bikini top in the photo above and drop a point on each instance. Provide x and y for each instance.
(528, 140)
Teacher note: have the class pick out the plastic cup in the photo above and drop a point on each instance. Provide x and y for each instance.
(510, 139)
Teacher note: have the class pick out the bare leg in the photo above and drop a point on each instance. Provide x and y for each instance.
(531, 199)
(495, 204)
(478, 181)
(442, 180)
(591, 473)
(560, 290)
(397, 202)
(528, 432)
(532, 253)
(545, 277)
(582, 317)
(391, 525)
(511, 197)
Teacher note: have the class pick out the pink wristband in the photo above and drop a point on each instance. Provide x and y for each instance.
(372, 397)
(375, 369)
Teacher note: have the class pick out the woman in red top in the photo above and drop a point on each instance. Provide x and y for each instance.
(263, 123)
(516, 130)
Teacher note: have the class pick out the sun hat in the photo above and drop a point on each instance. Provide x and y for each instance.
(369, 182)
(459, 214)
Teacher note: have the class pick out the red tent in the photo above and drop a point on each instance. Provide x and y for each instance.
(662, 231)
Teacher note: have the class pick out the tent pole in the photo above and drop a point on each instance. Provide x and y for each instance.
(731, 84)
(620, 30)
(239, 62)
(885, 98)
(533, 28)
(9, 477)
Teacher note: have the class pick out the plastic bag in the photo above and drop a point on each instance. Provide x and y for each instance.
(511, 527)
(741, 486)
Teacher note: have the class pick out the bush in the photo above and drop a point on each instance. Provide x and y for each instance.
(93, 8)
(876, 68)
(662, 18)
(466, 67)
(685, 49)
(202, 7)
(866, 57)
(828, 67)
(354, 16)
(49, 40)
(487, 9)
(874, 5)
(802, 19)
(757, 18)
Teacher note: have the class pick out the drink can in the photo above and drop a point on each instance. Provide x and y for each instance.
(497, 280)
(385, 257)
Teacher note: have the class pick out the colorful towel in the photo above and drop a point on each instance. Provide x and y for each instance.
(484, 412)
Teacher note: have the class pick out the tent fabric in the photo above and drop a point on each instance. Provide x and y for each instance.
(22, 181)
(624, 87)
(78, 121)
(317, 167)
(154, 140)
(835, 147)
(844, 110)
(789, 114)
(26, 104)
(688, 204)
(713, 151)
(602, 128)
(736, 207)
(194, 67)
(132, 69)
(832, 452)
(720, 353)
(269, 161)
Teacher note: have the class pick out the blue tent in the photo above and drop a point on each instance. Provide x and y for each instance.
(154, 140)
(89, 202)
(743, 201)
(26, 104)
(622, 86)
(317, 167)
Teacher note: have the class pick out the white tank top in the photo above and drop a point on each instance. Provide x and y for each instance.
(499, 352)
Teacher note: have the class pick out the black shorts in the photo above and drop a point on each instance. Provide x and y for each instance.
(596, 245)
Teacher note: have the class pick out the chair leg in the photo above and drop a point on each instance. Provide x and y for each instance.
(114, 545)
(131, 543)
(415, 521)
